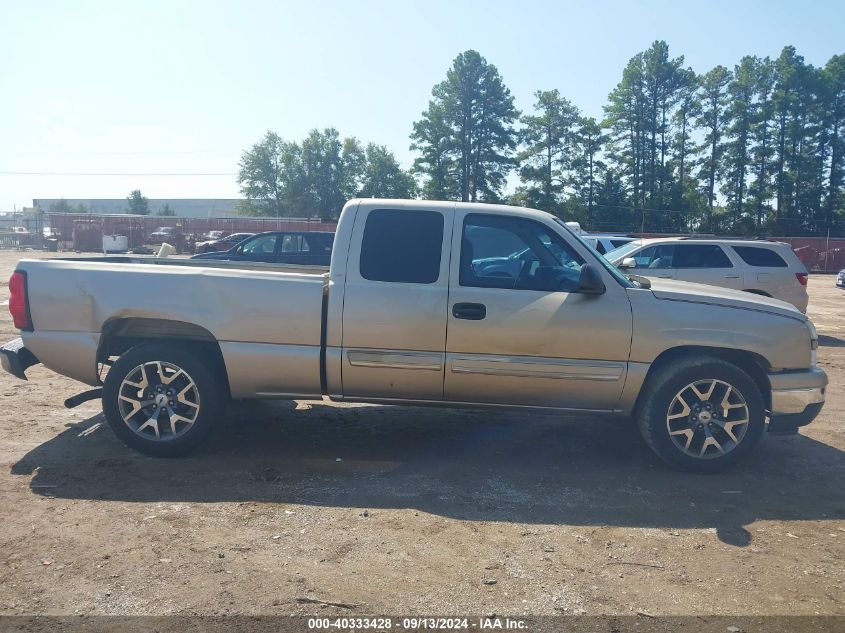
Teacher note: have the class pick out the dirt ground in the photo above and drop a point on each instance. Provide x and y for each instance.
(413, 511)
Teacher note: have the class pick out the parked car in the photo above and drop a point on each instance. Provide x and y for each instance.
(162, 234)
(606, 242)
(760, 267)
(406, 316)
(840, 279)
(222, 243)
(280, 247)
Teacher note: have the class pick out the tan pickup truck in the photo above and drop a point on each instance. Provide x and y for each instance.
(452, 304)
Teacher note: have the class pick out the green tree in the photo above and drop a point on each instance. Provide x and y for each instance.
(760, 187)
(740, 116)
(166, 210)
(138, 204)
(384, 177)
(833, 78)
(640, 114)
(689, 107)
(625, 119)
(547, 139)
(269, 174)
(663, 79)
(713, 94)
(588, 142)
(436, 167)
(477, 109)
(333, 169)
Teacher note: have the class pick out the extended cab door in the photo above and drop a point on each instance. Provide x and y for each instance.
(518, 330)
(395, 302)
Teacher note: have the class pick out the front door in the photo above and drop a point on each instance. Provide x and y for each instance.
(394, 307)
(518, 331)
(656, 261)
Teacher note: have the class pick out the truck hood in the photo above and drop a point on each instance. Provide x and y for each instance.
(673, 290)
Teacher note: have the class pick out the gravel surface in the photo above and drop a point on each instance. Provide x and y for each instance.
(388, 510)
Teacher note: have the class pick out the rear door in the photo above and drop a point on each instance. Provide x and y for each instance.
(319, 247)
(293, 248)
(395, 303)
(706, 264)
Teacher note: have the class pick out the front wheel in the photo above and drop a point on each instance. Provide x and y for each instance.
(701, 414)
(162, 400)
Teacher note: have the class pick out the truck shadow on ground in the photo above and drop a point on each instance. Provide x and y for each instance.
(468, 465)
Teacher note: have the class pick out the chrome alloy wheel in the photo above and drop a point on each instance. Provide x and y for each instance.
(158, 401)
(707, 418)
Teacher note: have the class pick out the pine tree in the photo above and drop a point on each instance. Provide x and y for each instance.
(476, 108)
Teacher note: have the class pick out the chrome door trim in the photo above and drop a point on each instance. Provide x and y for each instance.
(535, 367)
(469, 404)
(388, 359)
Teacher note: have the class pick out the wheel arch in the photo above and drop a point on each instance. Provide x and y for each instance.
(121, 334)
(751, 363)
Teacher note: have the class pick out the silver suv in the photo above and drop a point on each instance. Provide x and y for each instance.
(762, 267)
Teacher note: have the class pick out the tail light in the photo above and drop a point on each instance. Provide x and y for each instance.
(19, 301)
(802, 278)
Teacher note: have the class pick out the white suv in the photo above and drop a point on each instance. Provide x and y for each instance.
(605, 242)
(759, 266)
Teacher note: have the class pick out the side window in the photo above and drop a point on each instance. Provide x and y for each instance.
(402, 246)
(503, 252)
(760, 256)
(658, 256)
(261, 245)
(701, 256)
(294, 243)
(618, 243)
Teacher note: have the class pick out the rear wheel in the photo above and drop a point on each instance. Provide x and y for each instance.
(162, 400)
(701, 414)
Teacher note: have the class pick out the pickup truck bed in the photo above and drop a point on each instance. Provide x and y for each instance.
(264, 317)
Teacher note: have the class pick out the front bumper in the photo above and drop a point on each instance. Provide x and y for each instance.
(797, 398)
(16, 359)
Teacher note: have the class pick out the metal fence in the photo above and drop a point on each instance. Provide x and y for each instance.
(84, 233)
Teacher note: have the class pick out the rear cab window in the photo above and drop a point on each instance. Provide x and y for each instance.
(760, 256)
(402, 246)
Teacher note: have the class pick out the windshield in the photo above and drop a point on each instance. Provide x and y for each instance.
(622, 279)
(623, 251)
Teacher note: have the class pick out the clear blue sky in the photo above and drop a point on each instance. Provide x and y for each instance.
(168, 86)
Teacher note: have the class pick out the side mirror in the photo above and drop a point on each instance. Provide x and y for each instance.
(628, 262)
(590, 281)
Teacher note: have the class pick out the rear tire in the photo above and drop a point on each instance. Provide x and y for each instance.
(701, 414)
(162, 400)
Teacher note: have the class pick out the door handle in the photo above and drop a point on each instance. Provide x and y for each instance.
(469, 311)
(731, 276)
(665, 276)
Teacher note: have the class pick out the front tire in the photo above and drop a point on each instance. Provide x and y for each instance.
(162, 400)
(701, 414)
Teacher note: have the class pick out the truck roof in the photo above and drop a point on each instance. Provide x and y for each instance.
(478, 207)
